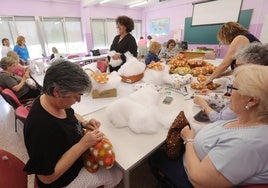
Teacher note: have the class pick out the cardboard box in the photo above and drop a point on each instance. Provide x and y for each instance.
(191, 55)
(104, 94)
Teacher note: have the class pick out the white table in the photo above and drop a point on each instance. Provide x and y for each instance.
(88, 58)
(88, 105)
(131, 148)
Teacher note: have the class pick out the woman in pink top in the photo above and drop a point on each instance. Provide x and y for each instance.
(142, 47)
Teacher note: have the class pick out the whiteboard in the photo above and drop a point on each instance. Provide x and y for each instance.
(264, 36)
(216, 12)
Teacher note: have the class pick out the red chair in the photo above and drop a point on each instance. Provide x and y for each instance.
(21, 111)
(11, 171)
(72, 56)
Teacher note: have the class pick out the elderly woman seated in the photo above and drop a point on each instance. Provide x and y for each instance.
(169, 51)
(53, 132)
(226, 153)
(14, 82)
(255, 53)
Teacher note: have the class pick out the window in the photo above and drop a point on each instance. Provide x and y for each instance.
(26, 27)
(7, 27)
(63, 33)
(104, 31)
(42, 33)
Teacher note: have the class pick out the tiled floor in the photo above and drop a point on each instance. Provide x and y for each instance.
(13, 142)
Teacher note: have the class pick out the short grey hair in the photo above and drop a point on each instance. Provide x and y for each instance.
(67, 77)
(7, 62)
(255, 53)
(252, 81)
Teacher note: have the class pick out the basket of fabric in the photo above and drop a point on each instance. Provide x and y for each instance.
(132, 79)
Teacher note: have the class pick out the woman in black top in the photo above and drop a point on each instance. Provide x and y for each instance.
(53, 133)
(236, 36)
(124, 41)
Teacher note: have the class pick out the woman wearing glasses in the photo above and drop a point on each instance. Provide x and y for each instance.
(226, 153)
(255, 53)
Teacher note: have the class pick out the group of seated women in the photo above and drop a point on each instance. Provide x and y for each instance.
(232, 151)
(225, 153)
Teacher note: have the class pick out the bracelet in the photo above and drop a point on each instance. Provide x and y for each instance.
(188, 140)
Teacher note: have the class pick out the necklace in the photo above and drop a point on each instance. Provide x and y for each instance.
(236, 124)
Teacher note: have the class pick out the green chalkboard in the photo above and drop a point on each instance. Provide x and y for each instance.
(207, 34)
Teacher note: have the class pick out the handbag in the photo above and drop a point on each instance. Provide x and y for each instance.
(95, 52)
(174, 143)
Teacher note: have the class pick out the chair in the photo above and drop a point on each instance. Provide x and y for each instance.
(11, 171)
(21, 111)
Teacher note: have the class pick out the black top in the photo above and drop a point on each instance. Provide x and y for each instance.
(47, 138)
(251, 39)
(128, 43)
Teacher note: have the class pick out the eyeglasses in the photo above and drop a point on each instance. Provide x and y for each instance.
(230, 88)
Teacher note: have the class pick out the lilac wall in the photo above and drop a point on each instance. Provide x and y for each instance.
(175, 10)
(39, 8)
(104, 12)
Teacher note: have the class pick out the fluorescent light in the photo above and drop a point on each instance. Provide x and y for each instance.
(104, 1)
(138, 4)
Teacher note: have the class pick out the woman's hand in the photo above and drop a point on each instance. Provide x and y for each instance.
(187, 133)
(92, 124)
(26, 74)
(205, 91)
(200, 101)
(116, 56)
(91, 138)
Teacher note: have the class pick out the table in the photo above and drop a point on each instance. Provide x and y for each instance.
(88, 58)
(131, 148)
(89, 105)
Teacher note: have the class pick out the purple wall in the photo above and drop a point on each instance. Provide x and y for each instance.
(175, 10)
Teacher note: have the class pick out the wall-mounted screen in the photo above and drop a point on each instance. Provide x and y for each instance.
(216, 12)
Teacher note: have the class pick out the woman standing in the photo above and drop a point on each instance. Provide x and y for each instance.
(21, 50)
(6, 47)
(124, 41)
(235, 35)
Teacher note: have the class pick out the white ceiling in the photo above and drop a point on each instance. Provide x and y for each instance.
(119, 3)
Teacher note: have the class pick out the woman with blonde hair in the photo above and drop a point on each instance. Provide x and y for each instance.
(21, 50)
(236, 36)
(152, 55)
(226, 153)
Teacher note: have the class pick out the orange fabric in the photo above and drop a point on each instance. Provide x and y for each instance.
(102, 154)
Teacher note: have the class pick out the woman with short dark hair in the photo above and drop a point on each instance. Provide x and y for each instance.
(124, 41)
(53, 132)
